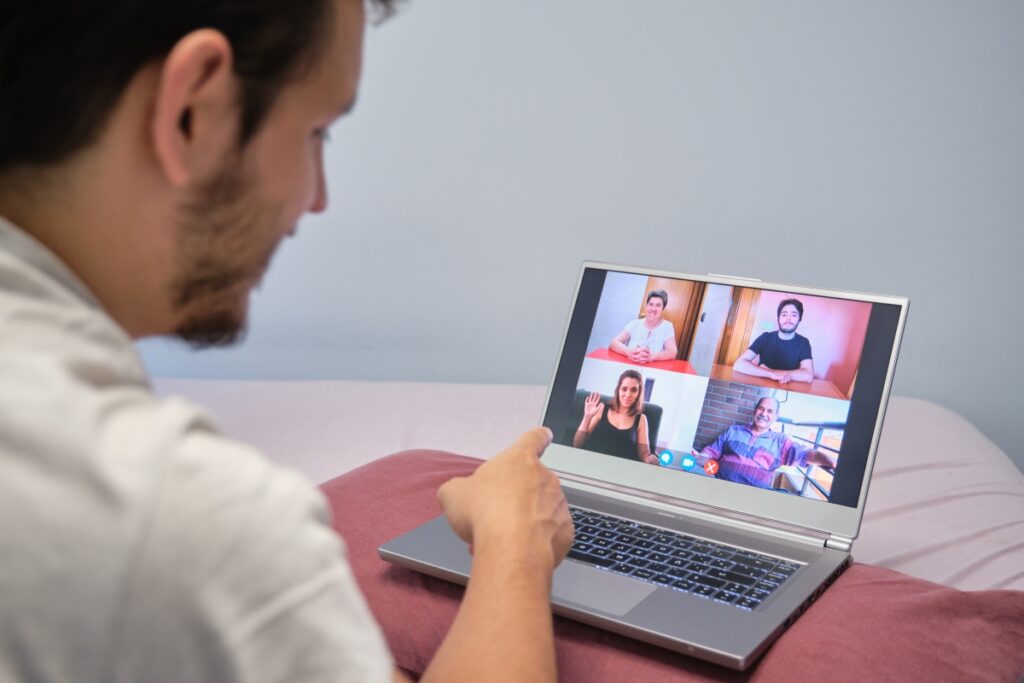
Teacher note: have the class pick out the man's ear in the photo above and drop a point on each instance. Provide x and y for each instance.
(196, 114)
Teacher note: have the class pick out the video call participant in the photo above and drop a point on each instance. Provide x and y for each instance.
(751, 453)
(648, 338)
(784, 355)
(619, 429)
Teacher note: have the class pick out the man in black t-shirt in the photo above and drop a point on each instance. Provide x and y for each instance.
(783, 356)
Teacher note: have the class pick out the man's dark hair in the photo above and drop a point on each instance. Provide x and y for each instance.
(661, 294)
(65, 63)
(795, 303)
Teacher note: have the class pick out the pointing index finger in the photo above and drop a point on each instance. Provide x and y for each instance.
(535, 440)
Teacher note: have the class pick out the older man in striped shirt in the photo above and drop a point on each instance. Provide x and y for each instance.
(750, 454)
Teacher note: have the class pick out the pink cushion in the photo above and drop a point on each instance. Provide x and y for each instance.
(872, 624)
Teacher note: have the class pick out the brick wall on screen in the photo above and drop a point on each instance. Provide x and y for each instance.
(726, 404)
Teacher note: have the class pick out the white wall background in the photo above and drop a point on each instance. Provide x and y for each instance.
(865, 145)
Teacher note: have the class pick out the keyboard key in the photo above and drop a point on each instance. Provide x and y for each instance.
(748, 571)
(663, 539)
(736, 577)
(727, 596)
(677, 573)
(755, 563)
(663, 549)
(735, 587)
(655, 567)
(747, 603)
(591, 559)
(638, 561)
(600, 552)
(708, 581)
(618, 547)
(638, 552)
(662, 579)
(658, 557)
(685, 554)
(720, 564)
(643, 574)
(722, 554)
(706, 591)
(643, 544)
(602, 542)
(684, 584)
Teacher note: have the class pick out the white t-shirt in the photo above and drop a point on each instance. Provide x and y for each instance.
(640, 335)
(136, 543)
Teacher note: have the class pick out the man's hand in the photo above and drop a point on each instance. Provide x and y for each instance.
(512, 500)
(822, 459)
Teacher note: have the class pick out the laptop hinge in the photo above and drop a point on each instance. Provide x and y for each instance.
(840, 543)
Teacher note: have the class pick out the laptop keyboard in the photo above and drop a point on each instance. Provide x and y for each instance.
(693, 565)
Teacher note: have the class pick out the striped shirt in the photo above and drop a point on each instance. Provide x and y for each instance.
(752, 459)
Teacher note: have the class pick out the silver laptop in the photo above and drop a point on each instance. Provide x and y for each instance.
(714, 436)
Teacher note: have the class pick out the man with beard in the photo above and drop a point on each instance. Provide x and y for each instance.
(750, 454)
(783, 356)
(152, 157)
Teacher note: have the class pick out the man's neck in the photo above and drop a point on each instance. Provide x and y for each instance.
(74, 211)
(786, 336)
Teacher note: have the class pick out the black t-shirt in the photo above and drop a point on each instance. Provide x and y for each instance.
(781, 355)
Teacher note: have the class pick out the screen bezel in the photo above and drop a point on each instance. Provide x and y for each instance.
(824, 517)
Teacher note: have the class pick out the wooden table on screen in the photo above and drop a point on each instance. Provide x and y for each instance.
(682, 366)
(817, 387)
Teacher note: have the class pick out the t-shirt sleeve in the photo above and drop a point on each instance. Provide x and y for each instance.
(239, 577)
(758, 345)
(805, 350)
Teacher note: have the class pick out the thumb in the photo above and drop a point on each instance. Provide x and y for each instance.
(450, 490)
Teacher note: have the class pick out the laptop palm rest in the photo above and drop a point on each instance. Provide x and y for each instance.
(435, 549)
(597, 590)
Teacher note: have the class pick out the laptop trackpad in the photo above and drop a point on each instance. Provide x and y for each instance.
(598, 589)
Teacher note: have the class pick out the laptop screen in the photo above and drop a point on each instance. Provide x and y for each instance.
(771, 388)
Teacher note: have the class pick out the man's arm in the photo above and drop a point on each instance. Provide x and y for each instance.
(821, 458)
(805, 373)
(745, 365)
(513, 514)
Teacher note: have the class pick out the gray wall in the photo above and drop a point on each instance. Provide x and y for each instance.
(874, 146)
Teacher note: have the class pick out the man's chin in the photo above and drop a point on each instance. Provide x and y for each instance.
(213, 329)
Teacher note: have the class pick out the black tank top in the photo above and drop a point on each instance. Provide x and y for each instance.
(609, 439)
